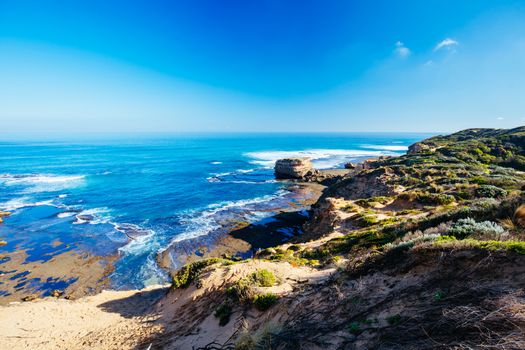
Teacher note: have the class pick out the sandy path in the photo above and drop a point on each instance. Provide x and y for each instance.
(109, 320)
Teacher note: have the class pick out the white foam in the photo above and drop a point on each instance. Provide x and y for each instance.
(201, 223)
(66, 214)
(22, 202)
(99, 215)
(42, 182)
(217, 177)
(139, 243)
(321, 158)
(387, 147)
(215, 163)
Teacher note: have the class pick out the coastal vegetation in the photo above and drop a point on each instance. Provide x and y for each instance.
(452, 204)
(420, 251)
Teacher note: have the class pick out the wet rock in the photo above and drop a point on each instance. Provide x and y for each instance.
(57, 293)
(2, 214)
(29, 298)
(349, 165)
(85, 217)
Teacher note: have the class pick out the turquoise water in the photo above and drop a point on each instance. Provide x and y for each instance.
(133, 195)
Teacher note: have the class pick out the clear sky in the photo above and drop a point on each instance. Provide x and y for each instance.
(280, 65)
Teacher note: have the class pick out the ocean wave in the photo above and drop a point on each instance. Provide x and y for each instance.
(93, 216)
(215, 163)
(386, 147)
(23, 202)
(42, 182)
(215, 216)
(223, 177)
(321, 158)
(66, 214)
(140, 238)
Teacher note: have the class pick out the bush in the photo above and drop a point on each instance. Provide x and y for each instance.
(294, 247)
(469, 227)
(409, 243)
(394, 319)
(440, 294)
(513, 246)
(223, 313)
(444, 199)
(354, 328)
(240, 290)
(263, 278)
(489, 191)
(263, 302)
(189, 272)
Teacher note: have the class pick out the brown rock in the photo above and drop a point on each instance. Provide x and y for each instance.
(293, 168)
(57, 293)
(418, 147)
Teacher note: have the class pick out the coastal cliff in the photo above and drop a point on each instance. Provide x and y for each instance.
(412, 252)
(421, 251)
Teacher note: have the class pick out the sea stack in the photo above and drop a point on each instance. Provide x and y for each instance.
(293, 168)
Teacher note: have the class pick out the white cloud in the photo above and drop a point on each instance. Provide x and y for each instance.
(447, 43)
(500, 118)
(401, 50)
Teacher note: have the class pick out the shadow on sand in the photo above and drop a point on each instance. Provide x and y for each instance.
(135, 305)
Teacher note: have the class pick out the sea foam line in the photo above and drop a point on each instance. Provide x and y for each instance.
(321, 158)
(29, 179)
(386, 147)
(203, 222)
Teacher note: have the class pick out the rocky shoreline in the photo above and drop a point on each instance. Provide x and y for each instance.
(407, 252)
(75, 274)
(241, 240)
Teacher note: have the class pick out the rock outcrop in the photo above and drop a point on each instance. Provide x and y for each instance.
(301, 169)
(418, 147)
(293, 168)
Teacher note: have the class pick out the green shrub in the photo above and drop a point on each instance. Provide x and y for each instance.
(364, 220)
(354, 328)
(440, 294)
(490, 191)
(189, 272)
(263, 278)
(240, 290)
(444, 199)
(318, 253)
(513, 246)
(223, 313)
(294, 247)
(394, 319)
(467, 227)
(263, 302)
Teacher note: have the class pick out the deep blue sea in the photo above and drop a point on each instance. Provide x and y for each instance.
(133, 195)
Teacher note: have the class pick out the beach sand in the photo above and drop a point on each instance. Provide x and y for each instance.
(89, 273)
(108, 320)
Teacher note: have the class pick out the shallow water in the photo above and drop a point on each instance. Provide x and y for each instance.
(135, 195)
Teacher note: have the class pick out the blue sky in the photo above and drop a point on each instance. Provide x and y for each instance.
(71, 66)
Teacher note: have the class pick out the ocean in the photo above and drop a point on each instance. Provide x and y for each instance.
(132, 195)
